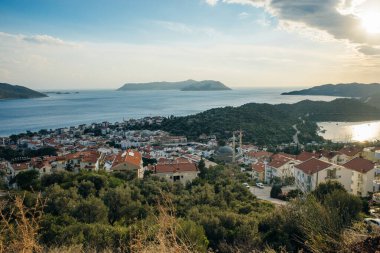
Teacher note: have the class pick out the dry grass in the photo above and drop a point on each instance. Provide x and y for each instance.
(19, 225)
(164, 237)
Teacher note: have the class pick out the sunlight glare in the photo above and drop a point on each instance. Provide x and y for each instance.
(371, 21)
(365, 132)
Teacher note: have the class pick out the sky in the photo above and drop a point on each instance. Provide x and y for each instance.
(102, 44)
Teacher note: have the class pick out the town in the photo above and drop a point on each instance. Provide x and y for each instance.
(112, 147)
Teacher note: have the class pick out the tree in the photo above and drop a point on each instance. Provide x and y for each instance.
(91, 210)
(346, 206)
(116, 200)
(27, 180)
(86, 188)
(324, 189)
(202, 168)
(276, 191)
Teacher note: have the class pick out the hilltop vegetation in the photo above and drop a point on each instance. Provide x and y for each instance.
(116, 212)
(8, 91)
(266, 124)
(188, 85)
(357, 90)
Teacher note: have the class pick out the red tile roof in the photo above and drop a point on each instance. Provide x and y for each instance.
(312, 166)
(304, 156)
(260, 154)
(360, 165)
(350, 151)
(329, 154)
(258, 167)
(132, 157)
(175, 167)
(279, 161)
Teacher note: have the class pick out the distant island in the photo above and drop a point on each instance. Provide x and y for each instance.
(61, 92)
(355, 90)
(8, 91)
(188, 85)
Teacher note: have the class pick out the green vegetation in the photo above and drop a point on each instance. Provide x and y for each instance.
(313, 224)
(8, 91)
(266, 124)
(18, 154)
(340, 90)
(114, 212)
(105, 210)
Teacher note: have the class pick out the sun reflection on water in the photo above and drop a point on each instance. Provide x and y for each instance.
(350, 131)
(365, 132)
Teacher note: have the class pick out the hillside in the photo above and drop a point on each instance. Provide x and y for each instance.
(188, 85)
(267, 124)
(8, 91)
(373, 100)
(358, 90)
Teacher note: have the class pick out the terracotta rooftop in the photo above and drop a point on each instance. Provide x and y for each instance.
(260, 154)
(360, 165)
(350, 151)
(132, 157)
(312, 166)
(279, 161)
(329, 154)
(175, 167)
(304, 156)
(258, 167)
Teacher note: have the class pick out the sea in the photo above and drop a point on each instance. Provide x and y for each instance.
(89, 106)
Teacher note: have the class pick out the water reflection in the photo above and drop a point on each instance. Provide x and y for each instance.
(350, 131)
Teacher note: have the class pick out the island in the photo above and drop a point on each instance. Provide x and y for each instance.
(8, 91)
(357, 90)
(188, 85)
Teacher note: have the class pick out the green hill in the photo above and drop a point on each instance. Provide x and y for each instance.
(188, 85)
(267, 124)
(8, 91)
(357, 90)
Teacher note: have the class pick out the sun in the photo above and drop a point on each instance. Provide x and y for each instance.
(371, 22)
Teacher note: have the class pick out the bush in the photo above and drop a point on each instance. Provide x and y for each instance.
(276, 191)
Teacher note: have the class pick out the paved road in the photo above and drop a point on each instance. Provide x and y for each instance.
(264, 194)
(295, 137)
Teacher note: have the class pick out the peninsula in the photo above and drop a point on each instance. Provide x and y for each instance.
(358, 90)
(8, 91)
(188, 85)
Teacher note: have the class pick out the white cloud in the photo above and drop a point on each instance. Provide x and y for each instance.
(38, 39)
(323, 19)
(212, 2)
(109, 65)
(243, 15)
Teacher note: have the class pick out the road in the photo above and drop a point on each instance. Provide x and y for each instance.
(264, 194)
(295, 137)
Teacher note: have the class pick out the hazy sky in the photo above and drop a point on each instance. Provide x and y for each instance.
(66, 44)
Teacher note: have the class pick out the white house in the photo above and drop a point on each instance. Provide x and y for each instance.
(309, 174)
(362, 176)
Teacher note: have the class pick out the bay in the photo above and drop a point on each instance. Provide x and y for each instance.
(61, 110)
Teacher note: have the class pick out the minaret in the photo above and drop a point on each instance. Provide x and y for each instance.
(241, 142)
(233, 147)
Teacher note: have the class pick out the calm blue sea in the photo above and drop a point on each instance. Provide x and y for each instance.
(62, 110)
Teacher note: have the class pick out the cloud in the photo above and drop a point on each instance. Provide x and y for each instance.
(243, 15)
(37, 39)
(187, 29)
(175, 26)
(108, 65)
(244, 2)
(337, 19)
(369, 50)
(212, 2)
